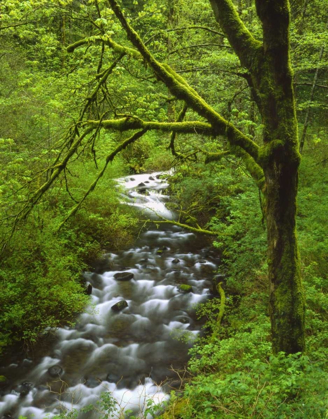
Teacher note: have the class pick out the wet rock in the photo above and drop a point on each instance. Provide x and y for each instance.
(88, 288)
(92, 382)
(121, 305)
(185, 288)
(141, 185)
(151, 178)
(124, 276)
(147, 181)
(55, 371)
(24, 388)
(132, 178)
(112, 378)
(142, 190)
(175, 261)
(97, 281)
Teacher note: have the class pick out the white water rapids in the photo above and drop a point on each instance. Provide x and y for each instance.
(128, 352)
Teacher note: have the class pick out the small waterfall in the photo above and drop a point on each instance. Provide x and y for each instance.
(128, 341)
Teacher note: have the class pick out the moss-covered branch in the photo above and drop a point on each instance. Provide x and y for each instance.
(185, 226)
(131, 123)
(213, 157)
(107, 40)
(109, 159)
(240, 38)
(56, 171)
(180, 88)
(253, 168)
(173, 133)
(221, 312)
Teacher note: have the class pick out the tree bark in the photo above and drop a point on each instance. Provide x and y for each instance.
(272, 80)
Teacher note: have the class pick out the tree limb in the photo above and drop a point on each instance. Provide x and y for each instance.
(240, 38)
(185, 226)
(107, 40)
(131, 123)
(173, 133)
(180, 88)
(109, 159)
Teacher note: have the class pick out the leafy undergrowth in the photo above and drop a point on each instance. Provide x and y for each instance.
(41, 285)
(235, 375)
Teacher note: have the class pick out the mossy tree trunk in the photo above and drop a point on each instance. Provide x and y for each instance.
(271, 79)
(274, 164)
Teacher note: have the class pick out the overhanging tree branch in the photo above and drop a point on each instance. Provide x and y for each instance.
(180, 88)
(186, 226)
(173, 133)
(107, 40)
(240, 38)
(109, 159)
(131, 123)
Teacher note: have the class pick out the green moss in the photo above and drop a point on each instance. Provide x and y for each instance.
(185, 288)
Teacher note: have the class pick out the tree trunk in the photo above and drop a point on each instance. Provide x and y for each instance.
(286, 291)
(273, 78)
(280, 162)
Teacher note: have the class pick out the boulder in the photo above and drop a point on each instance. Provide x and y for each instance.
(88, 288)
(124, 276)
(55, 371)
(175, 261)
(151, 178)
(121, 305)
(24, 388)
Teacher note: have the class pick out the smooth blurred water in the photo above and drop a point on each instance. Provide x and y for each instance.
(132, 353)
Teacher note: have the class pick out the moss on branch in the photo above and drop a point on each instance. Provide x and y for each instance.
(180, 118)
(107, 40)
(131, 123)
(180, 88)
(186, 226)
(93, 185)
(221, 312)
(213, 157)
(240, 38)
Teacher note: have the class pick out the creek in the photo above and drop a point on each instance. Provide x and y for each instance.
(136, 332)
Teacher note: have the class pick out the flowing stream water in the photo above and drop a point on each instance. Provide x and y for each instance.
(137, 330)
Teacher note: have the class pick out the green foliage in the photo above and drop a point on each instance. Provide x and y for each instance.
(235, 375)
